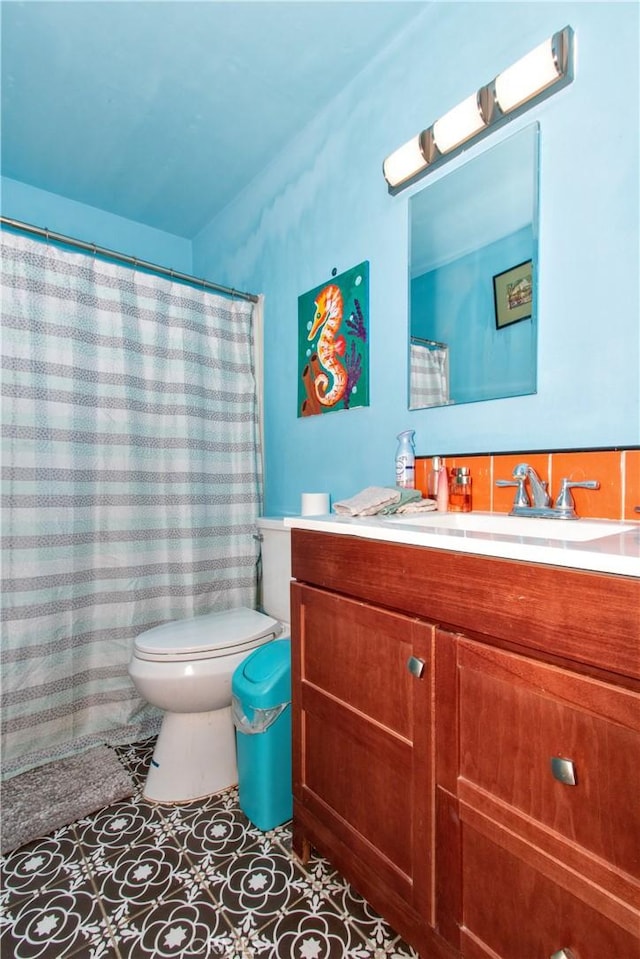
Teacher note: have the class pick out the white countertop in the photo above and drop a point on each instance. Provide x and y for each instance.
(618, 552)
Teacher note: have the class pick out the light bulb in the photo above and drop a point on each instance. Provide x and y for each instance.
(458, 125)
(527, 77)
(404, 162)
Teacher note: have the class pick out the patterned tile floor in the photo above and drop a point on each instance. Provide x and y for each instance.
(139, 880)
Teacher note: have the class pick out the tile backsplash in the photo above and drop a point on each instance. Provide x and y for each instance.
(617, 471)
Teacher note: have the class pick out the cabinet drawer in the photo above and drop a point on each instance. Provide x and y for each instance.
(521, 914)
(516, 715)
(586, 617)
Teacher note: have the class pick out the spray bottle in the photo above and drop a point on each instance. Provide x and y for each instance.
(406, 460)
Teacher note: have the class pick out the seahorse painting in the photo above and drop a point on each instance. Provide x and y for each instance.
(328, 317)
(333, 360)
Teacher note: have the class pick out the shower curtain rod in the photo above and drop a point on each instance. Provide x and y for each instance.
(436, 343)
(124, 258)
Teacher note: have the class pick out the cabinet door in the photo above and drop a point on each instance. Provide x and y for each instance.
(362, 741)
(549, 768)
(515, 912)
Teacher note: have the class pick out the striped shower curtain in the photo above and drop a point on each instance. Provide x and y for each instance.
(131, 484)
(428, 376)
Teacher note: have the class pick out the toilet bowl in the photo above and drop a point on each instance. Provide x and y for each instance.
(185, 668)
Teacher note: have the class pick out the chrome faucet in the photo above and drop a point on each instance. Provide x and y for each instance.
(540, 502)
(539, 494)
(522, 505)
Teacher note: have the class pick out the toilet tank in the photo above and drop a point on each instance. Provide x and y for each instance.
(276, 567)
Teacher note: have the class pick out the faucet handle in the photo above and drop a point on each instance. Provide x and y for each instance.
(521, 498)
(565, 499)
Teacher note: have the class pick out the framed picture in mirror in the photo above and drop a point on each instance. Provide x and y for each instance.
(513, 294)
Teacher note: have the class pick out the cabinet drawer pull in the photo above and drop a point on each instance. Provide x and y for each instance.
(565, 772)
(564, 954)
(415, 666)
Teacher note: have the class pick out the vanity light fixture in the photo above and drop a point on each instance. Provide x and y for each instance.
(547, 68)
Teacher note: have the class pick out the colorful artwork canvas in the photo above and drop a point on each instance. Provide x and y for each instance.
(333, 348)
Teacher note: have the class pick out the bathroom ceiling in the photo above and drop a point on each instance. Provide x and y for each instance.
(162, 112)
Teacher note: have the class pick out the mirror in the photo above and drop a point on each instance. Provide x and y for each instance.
(473, 264)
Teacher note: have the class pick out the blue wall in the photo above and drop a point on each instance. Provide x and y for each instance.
(324, 204)
(19, 201)
(454, 304)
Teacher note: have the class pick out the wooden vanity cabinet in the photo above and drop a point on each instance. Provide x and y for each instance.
(437, 796)
(362, 746)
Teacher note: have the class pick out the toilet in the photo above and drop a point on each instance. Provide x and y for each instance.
(185, 668)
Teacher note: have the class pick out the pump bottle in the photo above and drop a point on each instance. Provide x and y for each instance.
(460, 490)
(406, 460)
(442, 498)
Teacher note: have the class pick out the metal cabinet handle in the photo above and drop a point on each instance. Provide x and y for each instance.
(564, 954)
(564, 771)
(416, 666)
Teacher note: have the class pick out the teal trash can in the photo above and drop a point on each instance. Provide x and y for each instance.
(261, 705)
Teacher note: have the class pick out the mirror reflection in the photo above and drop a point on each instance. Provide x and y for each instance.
(473, 259)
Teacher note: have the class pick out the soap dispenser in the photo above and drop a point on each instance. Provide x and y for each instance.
(442, 497)
(406, 460)
(460, 490)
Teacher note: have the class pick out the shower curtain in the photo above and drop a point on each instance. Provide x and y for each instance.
(131, 484)
(429, 376)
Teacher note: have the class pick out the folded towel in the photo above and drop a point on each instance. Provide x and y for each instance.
(418, 506)
(406, 496)
(368, 502)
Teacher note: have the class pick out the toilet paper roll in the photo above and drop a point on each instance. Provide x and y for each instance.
(314, 504)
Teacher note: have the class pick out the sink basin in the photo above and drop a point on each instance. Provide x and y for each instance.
(573, 531)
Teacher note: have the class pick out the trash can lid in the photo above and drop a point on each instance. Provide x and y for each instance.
(263, 679)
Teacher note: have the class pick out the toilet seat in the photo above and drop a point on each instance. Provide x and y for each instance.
(207, 637)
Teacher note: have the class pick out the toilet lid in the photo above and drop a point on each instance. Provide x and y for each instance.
(215, 634)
